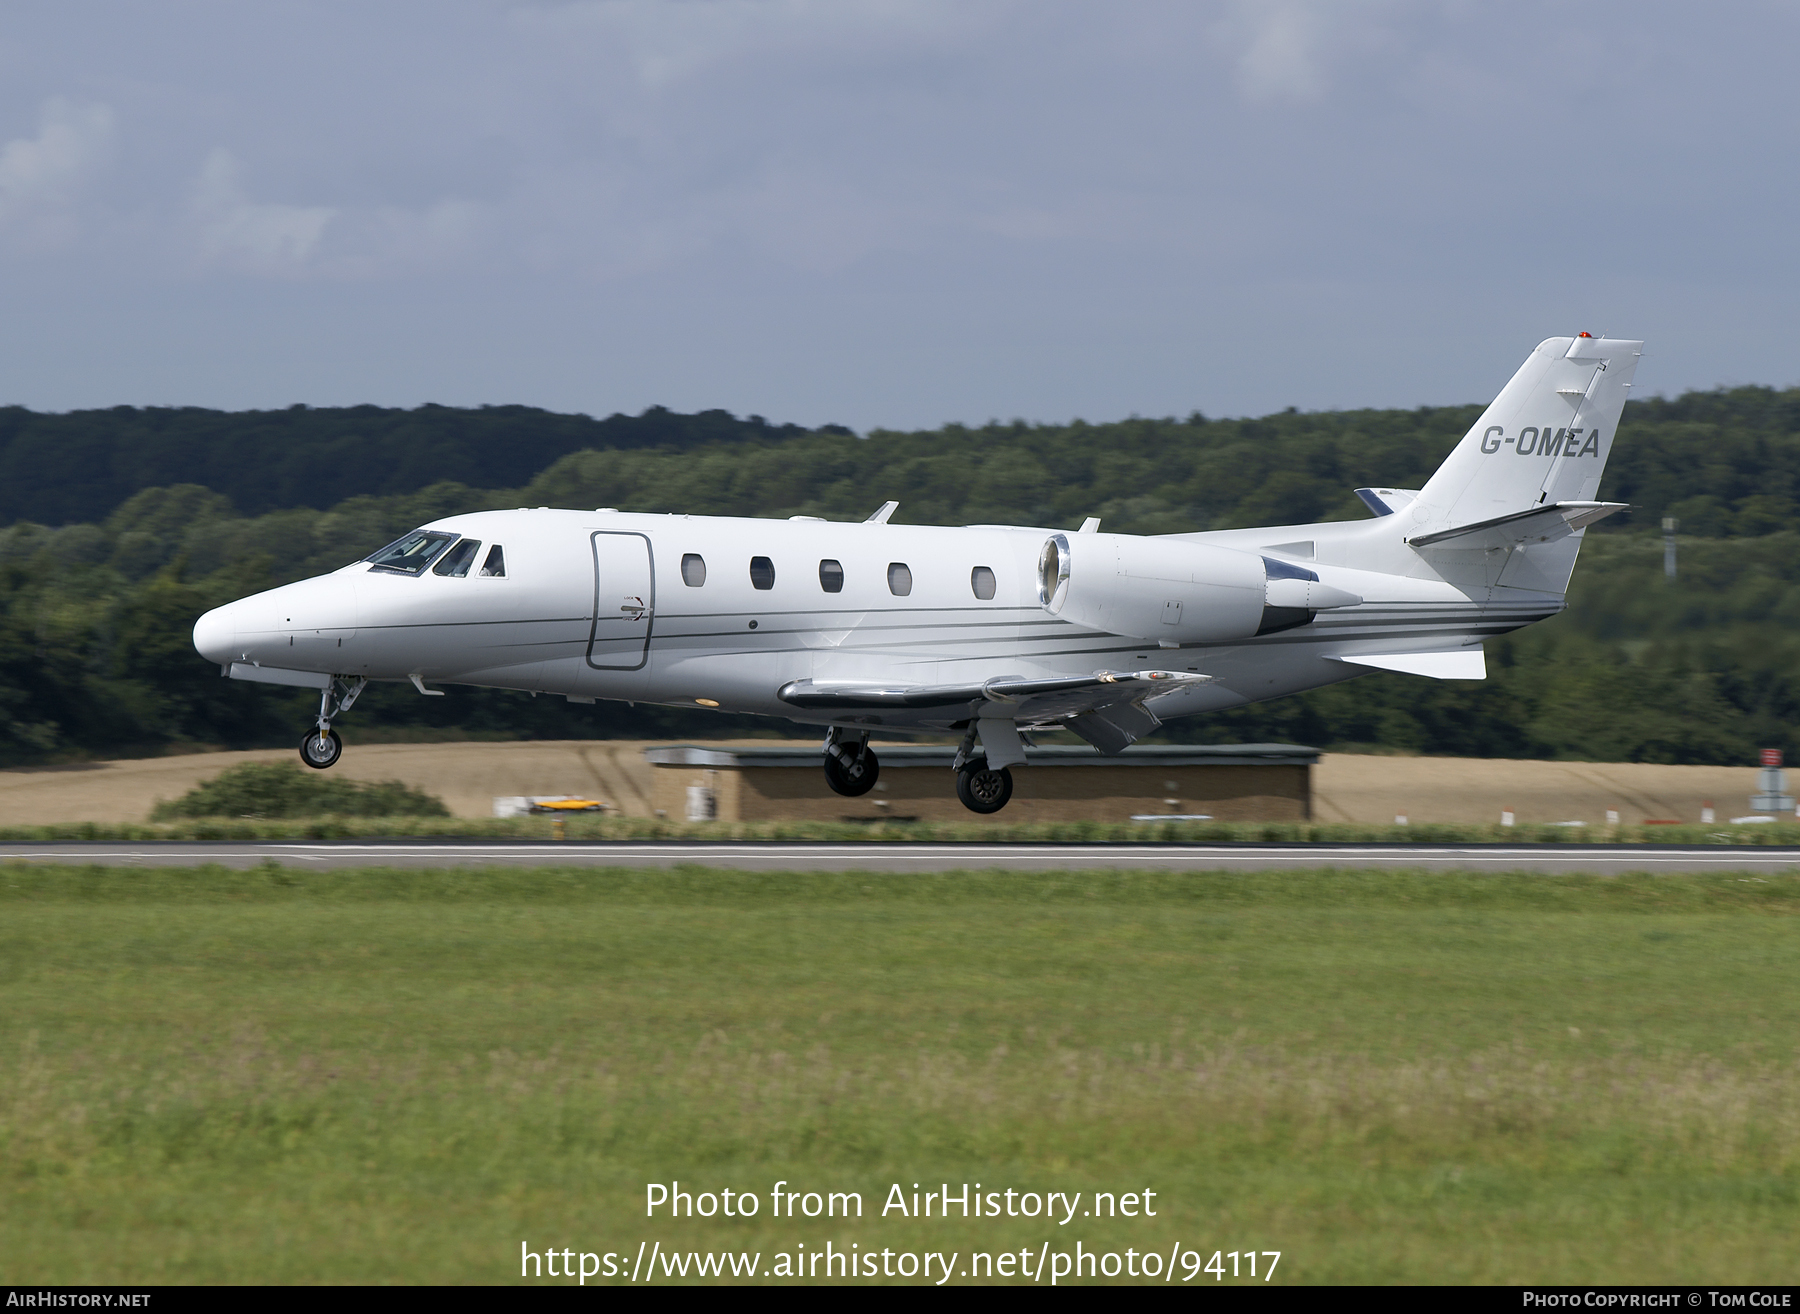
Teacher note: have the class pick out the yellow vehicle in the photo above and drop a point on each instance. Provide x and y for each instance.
(565, 805)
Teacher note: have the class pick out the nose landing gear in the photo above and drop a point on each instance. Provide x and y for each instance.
(322, 747)
(851, 767)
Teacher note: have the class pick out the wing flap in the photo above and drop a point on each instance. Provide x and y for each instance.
(1114, 729)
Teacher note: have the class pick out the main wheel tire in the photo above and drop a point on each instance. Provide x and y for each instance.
(982, 789)
(320, 753)
(856, 778)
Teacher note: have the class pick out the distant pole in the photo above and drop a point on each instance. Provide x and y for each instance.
(1670, 525)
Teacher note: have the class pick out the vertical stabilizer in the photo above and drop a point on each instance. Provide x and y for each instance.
(1545, 438)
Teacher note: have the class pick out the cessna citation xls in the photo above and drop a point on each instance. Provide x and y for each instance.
(992, 631)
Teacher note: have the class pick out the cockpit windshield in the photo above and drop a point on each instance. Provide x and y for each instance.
(410, 555)
(456, 562)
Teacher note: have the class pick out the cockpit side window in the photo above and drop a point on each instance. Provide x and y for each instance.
(495, 565)
(457, 560)
(410, 555)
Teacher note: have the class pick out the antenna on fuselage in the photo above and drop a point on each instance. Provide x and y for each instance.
(881, 516)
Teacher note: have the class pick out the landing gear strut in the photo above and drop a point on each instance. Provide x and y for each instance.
(851, 767)
(322, 747)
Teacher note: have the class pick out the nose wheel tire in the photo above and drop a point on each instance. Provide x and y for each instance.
(320, 752)
(854, 778)
(982, 789)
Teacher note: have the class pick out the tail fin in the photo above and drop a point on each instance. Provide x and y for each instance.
(1543, 440)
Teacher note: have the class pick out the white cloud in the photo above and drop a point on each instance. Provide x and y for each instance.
(250, 236)
(41, 174)
(393, 240)
(671, 39)
(1281, 58)
(1301, 50)
(339, 243)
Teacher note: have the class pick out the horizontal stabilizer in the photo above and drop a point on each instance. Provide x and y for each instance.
(1539, 524)
(1455, 664)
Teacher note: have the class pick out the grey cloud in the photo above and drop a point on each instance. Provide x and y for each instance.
(250, 236)
(42, 174)
(886, 211)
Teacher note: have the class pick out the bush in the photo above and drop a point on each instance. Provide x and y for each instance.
(284, 789)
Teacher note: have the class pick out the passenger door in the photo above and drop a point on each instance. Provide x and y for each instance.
(624, 601)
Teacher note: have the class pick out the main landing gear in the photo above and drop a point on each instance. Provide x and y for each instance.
(851, 767)
(322, 747)
(983, 789)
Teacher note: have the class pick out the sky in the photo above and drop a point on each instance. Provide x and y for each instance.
(888, 213)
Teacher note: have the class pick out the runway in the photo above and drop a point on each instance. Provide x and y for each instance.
(778, 855)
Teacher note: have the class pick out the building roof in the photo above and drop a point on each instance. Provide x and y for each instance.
(942, 755)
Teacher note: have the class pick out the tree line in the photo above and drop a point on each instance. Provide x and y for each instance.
(78, 467)
(1726, 462)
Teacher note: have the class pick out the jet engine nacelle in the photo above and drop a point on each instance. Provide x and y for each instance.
(1172, 591)
(1152, 588)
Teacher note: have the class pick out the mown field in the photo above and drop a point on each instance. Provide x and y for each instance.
(376, 1075)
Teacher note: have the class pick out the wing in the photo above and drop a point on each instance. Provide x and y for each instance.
(1105, 708)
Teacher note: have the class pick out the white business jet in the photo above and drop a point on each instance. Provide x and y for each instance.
(993, 631)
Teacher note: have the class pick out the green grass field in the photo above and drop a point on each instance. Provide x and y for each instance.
(399, 1076)
(590, 828)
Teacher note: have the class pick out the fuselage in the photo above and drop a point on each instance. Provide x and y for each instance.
(991, 630)
(721, 612)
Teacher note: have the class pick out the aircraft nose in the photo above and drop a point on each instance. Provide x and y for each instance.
(215, 634)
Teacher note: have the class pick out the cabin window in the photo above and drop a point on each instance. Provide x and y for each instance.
(899, 578)
(495, 565)
(831, 576)
(693, 569)
(456, 562)
(410, 555)
(762, 573)
(981, 579)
